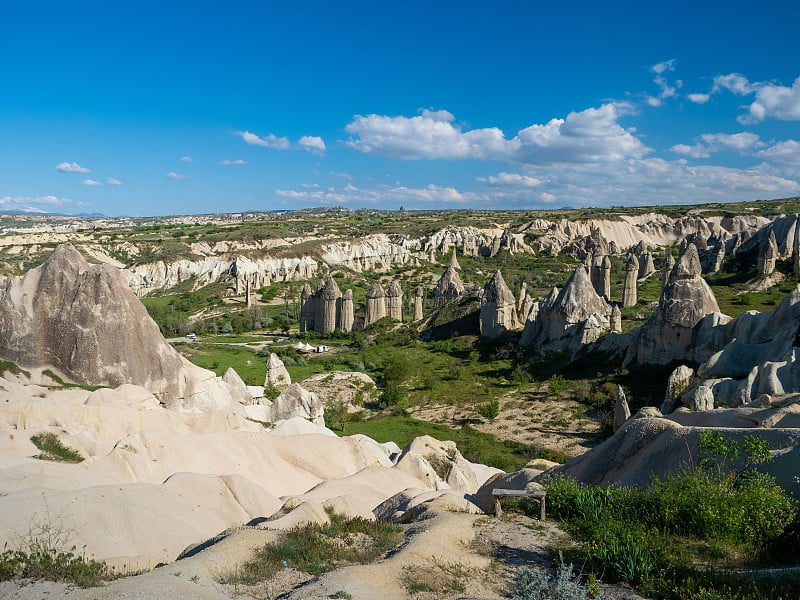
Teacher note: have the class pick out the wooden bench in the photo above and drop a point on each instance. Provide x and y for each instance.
(538, 495)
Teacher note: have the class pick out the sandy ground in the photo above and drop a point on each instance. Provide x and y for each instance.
(532, 417)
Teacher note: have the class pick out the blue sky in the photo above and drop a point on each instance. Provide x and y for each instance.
(144, 108)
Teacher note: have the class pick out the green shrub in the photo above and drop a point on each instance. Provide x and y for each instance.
(53, 449)
(45, 553)
(490, 409)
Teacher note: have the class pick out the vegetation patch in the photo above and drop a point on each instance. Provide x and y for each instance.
(317, 549)
(672, 538)
(53, 449)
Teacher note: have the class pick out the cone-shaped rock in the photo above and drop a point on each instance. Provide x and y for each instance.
(86, 322)
(669, 333)
(448, 288)
(630, 291)
(277, 375)
(498, 308)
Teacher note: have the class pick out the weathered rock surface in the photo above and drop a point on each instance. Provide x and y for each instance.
(277, 375)
(622, 411)
(84, 321)
(575, 316)
(673, 331)
(448, 288)
(296, 401)
(439, 464)
(498, 308)
(376, 252)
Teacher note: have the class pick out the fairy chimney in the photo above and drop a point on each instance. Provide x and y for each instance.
(629, 292)
(418, 298)
(394, 301)
(375, 305)
(498, 308)
(346, 312)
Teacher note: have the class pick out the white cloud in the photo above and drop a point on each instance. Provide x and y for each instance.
(787, 152)
(39, 204)
(513, 179)
(667, 65)
(714, 142)
(176, 176)
(592, 135)
(71, 167)
(112, 181)
(270, 141)
(699, 98)
(733, 82)
(312, 143)
(341, 175)
(776, 101)
(695, 151)
(90, 182)
(736, 141)
(437, 115)
(186, 159)
(233, 163)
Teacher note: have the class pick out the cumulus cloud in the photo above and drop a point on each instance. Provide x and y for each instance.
(709, 143)
(270, 141)
(591, 135)
(736, 141)
(695, 151)
(176, 176)
(381, 195)
(514, 179)
(733, 82)
(71, 167)
(186, 159)
(90, 182)
(699, 98)
(787, 152)
(312, 143)
(233, 163)
(665, 89)
(35, 204)
(112, 181)
(667, 65)
(777, 102)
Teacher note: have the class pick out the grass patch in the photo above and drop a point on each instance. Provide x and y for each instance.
(53, 449)
(682, 536)
(317, 549)
(10, 367)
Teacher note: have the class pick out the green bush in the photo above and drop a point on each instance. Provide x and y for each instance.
(489, 410)
(537, 584)
(53, 449)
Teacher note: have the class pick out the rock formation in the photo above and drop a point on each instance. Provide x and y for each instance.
(669, 263)
(277, 375)
(615, 320)
(448, 288)
(394, 301)
(418, 298)
(498, 308)
(767, 255)
(621, 410)
(454, 261)
(523, 296)
(796, 247)
(600, 271)
(630, 291)
(306, 309)
(296, 401)
(85, 322)
(330, 304)
(326, 309)
(375, 305)
(347, 312)
(376, 252)
(577, 315)
(671, 332)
